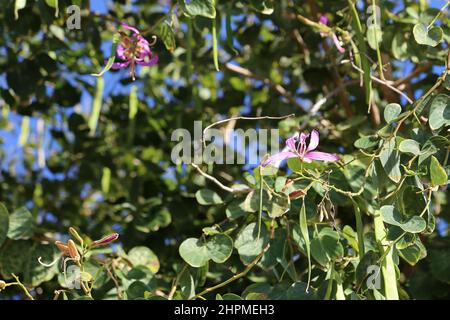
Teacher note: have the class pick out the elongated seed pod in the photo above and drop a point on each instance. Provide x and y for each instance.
(105, 240)
(73, 251)
(62, 247)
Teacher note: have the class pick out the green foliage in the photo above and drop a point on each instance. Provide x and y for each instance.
(85, 146)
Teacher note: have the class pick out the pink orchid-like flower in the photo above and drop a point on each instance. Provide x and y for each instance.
(133, 50)
(302, 146)
(324, 20)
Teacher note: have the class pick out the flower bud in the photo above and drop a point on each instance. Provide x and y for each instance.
(76, 235)
(73, 251)
(62, 247)
(105, 240)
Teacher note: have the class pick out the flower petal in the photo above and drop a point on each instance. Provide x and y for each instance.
(126, 26)
(151, 61)
(292, 141)
(323, 19)
(322, 156)
(120, 65)
(279, 157)
(337, 43)
(120, 52)
(313, 141)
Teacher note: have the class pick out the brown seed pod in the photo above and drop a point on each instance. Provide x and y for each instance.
(62, 247)
(73, 251)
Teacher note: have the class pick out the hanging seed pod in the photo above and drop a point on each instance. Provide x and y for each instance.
(62, 247)
(73, 251)
(105, 240)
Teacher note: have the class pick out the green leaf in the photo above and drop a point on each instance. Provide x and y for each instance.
(413, 253)
(166, 34)
(4, 223)
(263, 6)
(391, 112)
(409, 146)
(391, 215)
(208, 197)
(390, 159)
(427, 36)
(21, 224)
(326, 246)
(437, 173)
(439, 112)
(366, 142)
(220, 248)
(236, 209)
(187, 285)
(143, 256)
(247, 243)
(194, 252)
(204, 8)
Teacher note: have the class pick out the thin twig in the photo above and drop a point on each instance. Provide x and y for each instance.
(218, 183)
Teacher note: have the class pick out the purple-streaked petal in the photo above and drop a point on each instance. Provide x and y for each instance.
(120, 52)
(279, 157)
(120, 65)
(126, 26)
(151, 61)
(337, 44)
(292, 141)
(322, 156)
(313, 141)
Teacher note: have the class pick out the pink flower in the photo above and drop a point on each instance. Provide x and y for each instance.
(132, 50)
(298, 146)
(324, 20)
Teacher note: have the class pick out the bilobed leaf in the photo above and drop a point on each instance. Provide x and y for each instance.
(21, 224)
(4, 223)
(409, 146)
(390, 159)
(391, 215)
(413, 253)
(204, 8)
(427, 36)
(143, 256)
(326, 246)
(220, 248)
(366, 142)
(166, 34)
(438, 174)
(247, 243)
(194, 252)
(439, 112)
(391, 112)
(208, 197)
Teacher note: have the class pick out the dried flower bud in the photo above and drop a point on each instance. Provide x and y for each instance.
(62, 247)
(105, 240)
(76, 235)
(2, 285)
(73, 251)
(296, 194)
